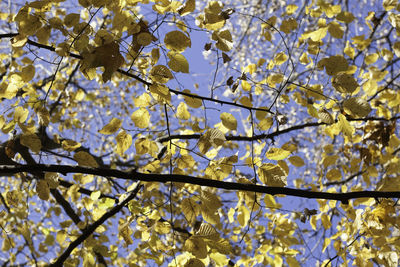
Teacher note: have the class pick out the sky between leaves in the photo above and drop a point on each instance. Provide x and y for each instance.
(213, 105)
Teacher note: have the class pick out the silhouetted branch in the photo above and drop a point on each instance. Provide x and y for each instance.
(91, 228)
(178, 178)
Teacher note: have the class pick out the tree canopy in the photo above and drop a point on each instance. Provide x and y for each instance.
(199, 133)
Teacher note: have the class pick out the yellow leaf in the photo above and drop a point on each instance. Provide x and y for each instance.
(207, 231)
(345, 16)
(42, 189)
(334, 175)
(316, 35)
(192, 101)
(28, 73)
(229, 121)
(52, 179)
(31, 141)
(390, 4)
(20, 114)
(349, 51)
(357, 107)
(144, 38)
(196, 246)
(190, 209)
(396, 47)
(95, 195)
(177, 62)
(265, 123)
(224, 40)
(193, 262)
(326, 222)
(142, 101)
(177, 40)
(280, 58)
(288, 25)
(334, 64)
(313, 222)
(70, 145)
(329, 160)
(160, 92)
(246, 86)
(107, 56)
(275, 153)
(345, 126)
(325, 116)
(161, 74)
(272, 175)
(182, 112)
(270, 202)
(155, 55)
(296, 161)
(335, 30)
(70, 20)
(141, 118)
(189, 7)
(124, 141)
(345, 83)
(111, 127)
(85, 159)
(43, 116)
(290, 9)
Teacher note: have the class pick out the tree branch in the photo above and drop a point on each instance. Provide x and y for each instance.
(91, 228)
(177, 178)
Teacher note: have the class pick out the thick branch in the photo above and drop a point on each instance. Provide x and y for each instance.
(164, 178)
(91, 228)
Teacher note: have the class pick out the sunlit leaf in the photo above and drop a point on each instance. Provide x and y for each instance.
(111, 127)
(85, 159)
(124, 141)
(141, 118)
(229, 121)
(275, 153)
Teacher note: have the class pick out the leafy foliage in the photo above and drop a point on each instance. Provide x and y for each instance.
(199, 133)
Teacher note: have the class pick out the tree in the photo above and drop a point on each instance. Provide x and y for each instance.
(200, 133)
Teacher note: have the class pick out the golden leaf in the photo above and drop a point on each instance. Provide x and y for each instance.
(85, 159)
(229, 121)
(111, 127)
(272, 175)
(189, 7)
(42, 189)
(178, 62)
(275, 153)
(177, 40)
(107, 56)
(32, 141)
(124, 141)
(141, 118)
(161, 74)
(296, 161)
(357, 107)
(70, 145)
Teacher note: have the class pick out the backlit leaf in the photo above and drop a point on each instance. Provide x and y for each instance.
(178, 62)
(42, 189)
(357, 107)
(124, 141)
(229, 121)
(177, 40)
(111, 127)
(272, 175)
(275, 153)
(296, 161)
(85, 159)
(141, 118)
